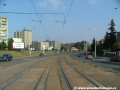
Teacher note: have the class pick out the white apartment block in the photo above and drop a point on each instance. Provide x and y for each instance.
(46, 45)
(55, 44)
(3, 30)
(26, 36)
(40, 45)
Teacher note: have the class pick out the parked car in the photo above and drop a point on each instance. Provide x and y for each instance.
(80, 55)
(41, 54)
(6, 57)
(115, 58)
(89, 56)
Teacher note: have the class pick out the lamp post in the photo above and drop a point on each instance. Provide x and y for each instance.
(3, 4)
(60, 21)
(95, 43)
(115, 8)
(95, 40)
(30, 49)
(86, 47)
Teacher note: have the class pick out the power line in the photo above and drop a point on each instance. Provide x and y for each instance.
(68, 10)
(65, 18)
(40, 20)
(29, 13)
(36, 11)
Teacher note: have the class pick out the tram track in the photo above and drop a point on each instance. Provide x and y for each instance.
(34, 74)
(96, 83)
(53, 80)
(68, 85)
(54, 73)
(40, 78)
(82, 80)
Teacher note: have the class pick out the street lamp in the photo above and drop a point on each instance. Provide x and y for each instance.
(83, 43)
(86, 47)
(3, 4)
(60, 21)
(115, 8)
(95, 41)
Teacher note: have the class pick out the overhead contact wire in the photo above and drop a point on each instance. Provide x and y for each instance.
(65, 19)
(40, 20)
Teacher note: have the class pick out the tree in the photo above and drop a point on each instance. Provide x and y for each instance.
(78, 45)
(112, 34)
(100, 48)
(93, 45)
(10, 43)
(106, 44)
(116, 46)
(0, 46)
(3, 46)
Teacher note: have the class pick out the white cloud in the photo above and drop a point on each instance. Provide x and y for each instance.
(55, 3)
(52, 3)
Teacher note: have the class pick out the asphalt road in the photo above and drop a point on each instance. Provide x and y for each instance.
(29, 72)
(104, 62)
(19, 60)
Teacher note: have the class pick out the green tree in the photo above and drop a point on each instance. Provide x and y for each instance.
(116, 46)
(0, 46)
(10, 44)
(93, 45)
(106, 44)
(112, 34)
(3, 46)
(78, 45)
(99, 48)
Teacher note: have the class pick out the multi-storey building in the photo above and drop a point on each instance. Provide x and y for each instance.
(17, 34)
(40, 45)
(55, 44)
(3, 30)
(46, 45)
(26, 36)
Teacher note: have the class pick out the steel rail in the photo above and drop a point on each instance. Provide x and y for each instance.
(91, 80)
(65, 77)
(44, 88)
(40, 78)
(15, 78)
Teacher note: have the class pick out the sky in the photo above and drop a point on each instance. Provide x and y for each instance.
(67, 21)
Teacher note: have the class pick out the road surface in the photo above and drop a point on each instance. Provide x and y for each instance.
(58, 72)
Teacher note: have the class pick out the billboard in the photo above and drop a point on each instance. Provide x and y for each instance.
(18, 45)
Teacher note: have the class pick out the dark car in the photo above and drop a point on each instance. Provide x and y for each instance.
(6, 57)
(41, 54)
(115, 58)
(81, 55)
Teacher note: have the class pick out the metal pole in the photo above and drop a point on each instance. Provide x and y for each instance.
(95, 43)
(30, 50)
(86, 47)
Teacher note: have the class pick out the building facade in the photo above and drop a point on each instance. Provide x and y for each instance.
(17, 34)
(40, 45)
(3, 30)
(55, 44)
(26, 36)
(46, 45)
